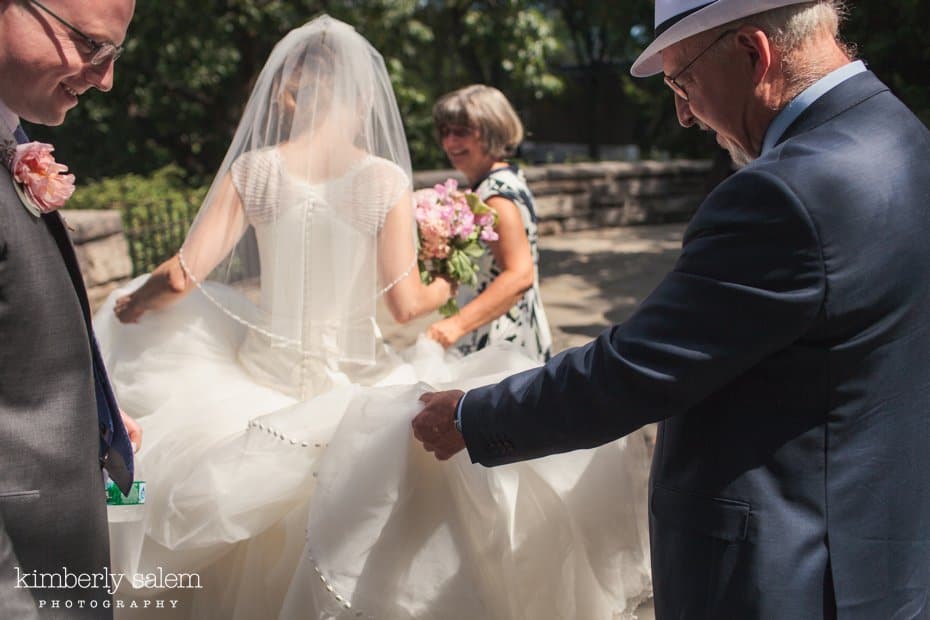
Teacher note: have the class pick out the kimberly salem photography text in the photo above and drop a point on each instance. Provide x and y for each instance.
(105, 579)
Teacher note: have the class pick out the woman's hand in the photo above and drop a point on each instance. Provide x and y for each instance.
(444, 288)
(447, 331)
(127, 309)
(166, 284)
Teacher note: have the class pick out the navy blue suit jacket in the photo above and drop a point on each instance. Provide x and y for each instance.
(787, 356)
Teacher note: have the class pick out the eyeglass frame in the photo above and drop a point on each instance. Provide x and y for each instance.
(103, 52)
(457, 131)
(671, 80)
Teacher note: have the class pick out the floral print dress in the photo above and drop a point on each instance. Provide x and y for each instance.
(525, 324)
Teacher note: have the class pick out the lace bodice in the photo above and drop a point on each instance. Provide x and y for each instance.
(362, 195)
(317, 244)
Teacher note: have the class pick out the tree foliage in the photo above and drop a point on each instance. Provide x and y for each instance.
(891, 37)
(189, 66)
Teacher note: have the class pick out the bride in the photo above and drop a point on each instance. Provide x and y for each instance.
(278, 458)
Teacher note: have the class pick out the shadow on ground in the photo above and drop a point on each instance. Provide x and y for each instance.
(593, 279)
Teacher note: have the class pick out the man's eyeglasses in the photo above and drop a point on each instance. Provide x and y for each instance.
(102, 51)
(671, 81)
(457, 131)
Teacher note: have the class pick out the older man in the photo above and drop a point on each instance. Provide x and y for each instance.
(59, 423)
(786, 354)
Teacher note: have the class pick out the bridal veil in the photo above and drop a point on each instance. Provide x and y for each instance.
(318, 160)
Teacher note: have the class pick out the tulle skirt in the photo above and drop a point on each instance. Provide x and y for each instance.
(260, 505)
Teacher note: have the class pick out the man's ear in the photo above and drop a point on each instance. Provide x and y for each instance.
(757, 48)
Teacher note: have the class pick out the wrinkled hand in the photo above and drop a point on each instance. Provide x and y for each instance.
(434, 426)
(447, 331)
(133, 430)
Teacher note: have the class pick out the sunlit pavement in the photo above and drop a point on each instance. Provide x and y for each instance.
(589, 280)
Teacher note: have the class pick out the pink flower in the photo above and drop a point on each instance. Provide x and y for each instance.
(464, 222)
(449, 223)
(425, 198)
(43, 181)
(434, 236)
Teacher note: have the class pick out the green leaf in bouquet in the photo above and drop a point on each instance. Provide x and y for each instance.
(449, 308)
(461, 263)
(467, 273)
(474, 250)
(478, 206)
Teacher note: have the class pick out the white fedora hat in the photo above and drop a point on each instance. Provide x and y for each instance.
(677, 20)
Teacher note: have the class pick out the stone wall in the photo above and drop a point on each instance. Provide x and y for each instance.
(573, 197)
(569, 197)
(101, 249)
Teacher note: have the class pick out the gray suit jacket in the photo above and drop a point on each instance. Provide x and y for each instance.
(52, 505)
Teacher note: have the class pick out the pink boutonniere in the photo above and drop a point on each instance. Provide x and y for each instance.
(39, 180)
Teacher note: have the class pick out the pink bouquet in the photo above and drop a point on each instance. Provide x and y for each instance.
(451, 225)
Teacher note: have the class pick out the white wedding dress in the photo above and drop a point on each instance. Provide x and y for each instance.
(295, 486)
(282, 476)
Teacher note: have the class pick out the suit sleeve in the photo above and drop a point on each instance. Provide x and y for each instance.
(14, 602)
(750, 281)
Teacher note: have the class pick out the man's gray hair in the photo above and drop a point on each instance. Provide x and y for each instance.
(790, 27)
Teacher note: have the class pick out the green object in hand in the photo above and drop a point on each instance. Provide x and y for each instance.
(136, 495)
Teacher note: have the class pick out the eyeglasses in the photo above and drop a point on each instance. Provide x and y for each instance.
(671, 81)
(457, 131)
(102, 51)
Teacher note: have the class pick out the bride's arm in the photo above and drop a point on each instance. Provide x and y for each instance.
(211, 238)
(408, 298)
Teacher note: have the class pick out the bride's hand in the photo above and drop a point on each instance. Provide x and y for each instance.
(166, 284)
(127, 309)
(444, 287)
(446, 331)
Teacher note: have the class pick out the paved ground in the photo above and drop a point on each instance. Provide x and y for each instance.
(590, 280)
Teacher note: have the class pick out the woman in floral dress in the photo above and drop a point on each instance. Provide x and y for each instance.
(477, 128)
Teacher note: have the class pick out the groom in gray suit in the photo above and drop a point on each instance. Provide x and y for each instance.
(59, 423)
(787, 355)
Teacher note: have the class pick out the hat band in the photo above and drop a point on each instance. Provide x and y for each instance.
(671, 21)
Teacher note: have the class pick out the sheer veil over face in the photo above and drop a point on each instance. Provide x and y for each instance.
(311, 207)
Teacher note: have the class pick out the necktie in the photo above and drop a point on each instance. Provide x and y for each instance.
(20, 135)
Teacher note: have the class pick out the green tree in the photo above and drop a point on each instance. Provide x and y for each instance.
(509, 44)
(891, 37)
(189, 66)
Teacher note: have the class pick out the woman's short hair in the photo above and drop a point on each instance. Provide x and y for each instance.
(483, 108)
